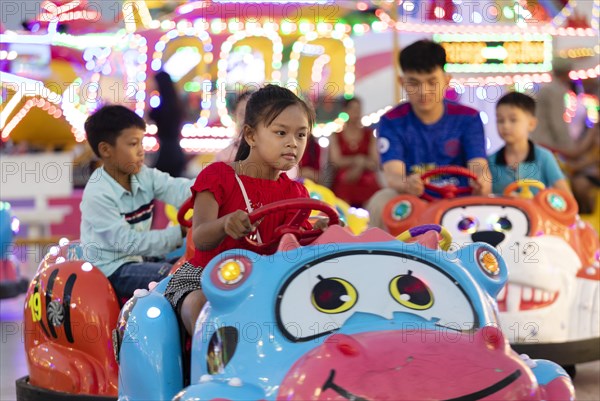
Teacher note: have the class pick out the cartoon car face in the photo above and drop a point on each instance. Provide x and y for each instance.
(492, 224)
(343, 318)
(339, 289)
(552, 259)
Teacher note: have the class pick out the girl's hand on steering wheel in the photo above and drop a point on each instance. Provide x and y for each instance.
(237, 224)
(321, 224)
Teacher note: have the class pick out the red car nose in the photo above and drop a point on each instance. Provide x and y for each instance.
(394, 365)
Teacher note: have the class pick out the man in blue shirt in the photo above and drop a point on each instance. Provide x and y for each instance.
(426, 132)
(117, 204)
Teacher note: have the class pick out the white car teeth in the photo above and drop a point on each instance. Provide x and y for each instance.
(513, 298)
(527, 294)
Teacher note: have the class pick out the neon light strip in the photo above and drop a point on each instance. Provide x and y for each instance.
(552, 29)
(129, 10)
(24, 87)
(8, 109)
(64, 39)
(139, 43)
(41, 103)
(596, 15)
(184, 28)
(252, 30)
(294, 64)
(565, 12)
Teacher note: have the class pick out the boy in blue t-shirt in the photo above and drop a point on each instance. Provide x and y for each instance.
(426, 132)
(520, 158)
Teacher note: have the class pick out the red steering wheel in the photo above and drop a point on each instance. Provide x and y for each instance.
(448, 191)
(303, 206)
(187, 205)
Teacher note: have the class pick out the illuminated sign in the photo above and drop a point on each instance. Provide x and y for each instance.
(507, 53)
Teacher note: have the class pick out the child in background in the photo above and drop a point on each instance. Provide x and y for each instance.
(520, 158)
(117, 204)
(227, 155)
(274, 136)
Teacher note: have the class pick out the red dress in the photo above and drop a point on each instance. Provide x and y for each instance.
(355, 193)
(219, 179)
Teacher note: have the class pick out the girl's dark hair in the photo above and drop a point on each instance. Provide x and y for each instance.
(264, 106)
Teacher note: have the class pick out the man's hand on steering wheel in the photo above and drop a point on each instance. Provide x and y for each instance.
(448, 191)
(415, 185)
(477, 185)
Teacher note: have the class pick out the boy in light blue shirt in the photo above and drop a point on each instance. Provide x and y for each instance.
(520, 158)
(117, 204)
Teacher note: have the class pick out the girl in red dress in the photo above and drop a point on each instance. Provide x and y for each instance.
(354, 153)
(276, 127)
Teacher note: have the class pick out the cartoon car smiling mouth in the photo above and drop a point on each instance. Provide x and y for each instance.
(330, 384)
(389, 366)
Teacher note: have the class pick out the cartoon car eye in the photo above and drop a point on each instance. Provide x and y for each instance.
(468, 224)
(412, 292)
(501, 224)
(333, 295)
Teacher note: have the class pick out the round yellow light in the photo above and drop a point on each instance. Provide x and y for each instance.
(231, 271)
(488, 261)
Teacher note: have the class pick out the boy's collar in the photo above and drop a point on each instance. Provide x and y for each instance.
(501, 157)
(135, 184)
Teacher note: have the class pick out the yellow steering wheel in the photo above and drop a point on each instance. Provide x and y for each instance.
(171, 212)
(445, 242)
(524, 188)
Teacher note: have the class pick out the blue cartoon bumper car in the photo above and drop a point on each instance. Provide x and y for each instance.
(344, 317)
